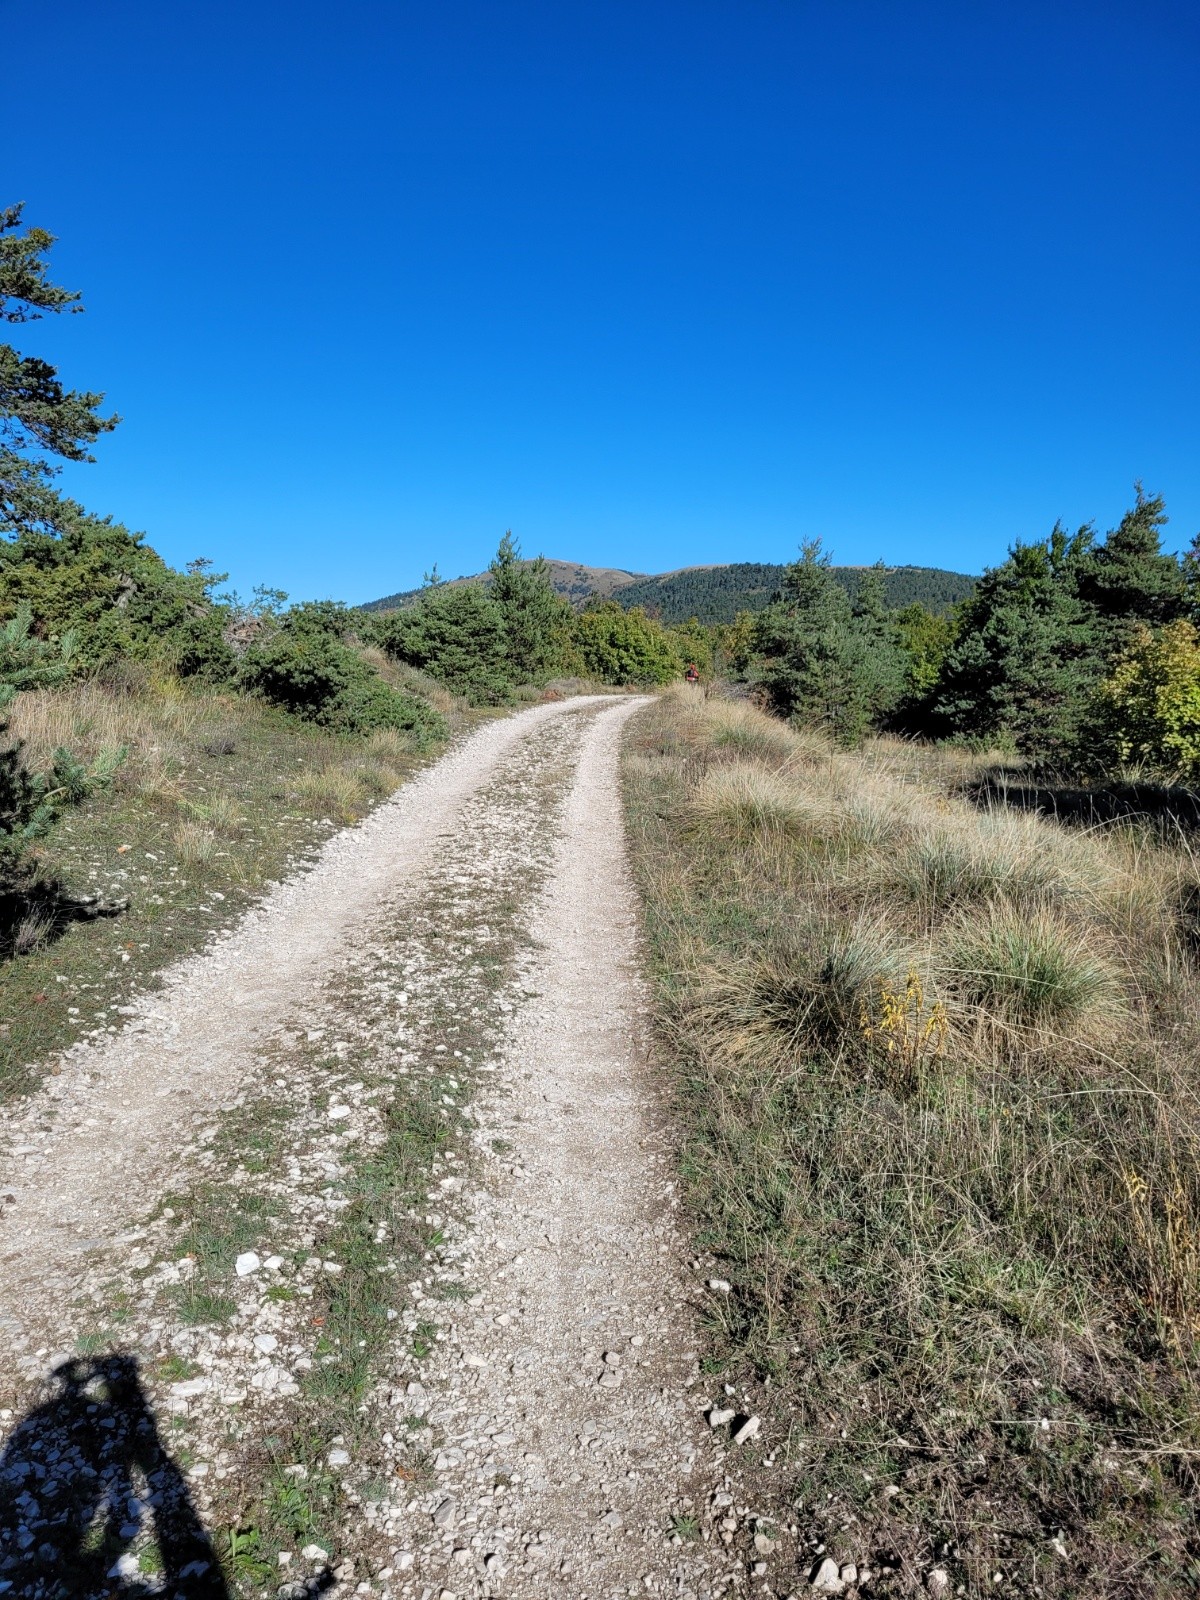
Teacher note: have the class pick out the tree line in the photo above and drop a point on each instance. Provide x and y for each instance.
(1080, 653)
(721, 593)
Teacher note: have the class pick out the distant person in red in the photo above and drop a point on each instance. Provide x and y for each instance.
(692, 675)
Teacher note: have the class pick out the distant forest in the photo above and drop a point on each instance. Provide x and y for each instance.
(717, 594)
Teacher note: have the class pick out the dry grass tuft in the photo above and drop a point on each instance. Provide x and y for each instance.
(82, 717)
(745, 731)
(337, 791)
(1028, 968)
(195, 844)
(748, 800)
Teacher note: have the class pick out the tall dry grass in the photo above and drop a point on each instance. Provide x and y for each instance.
(938, 1081)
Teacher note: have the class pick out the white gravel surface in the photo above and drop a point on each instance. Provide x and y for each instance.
(479, 929)
(97, 1141)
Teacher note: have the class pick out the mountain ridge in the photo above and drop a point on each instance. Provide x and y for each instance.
(717, 591)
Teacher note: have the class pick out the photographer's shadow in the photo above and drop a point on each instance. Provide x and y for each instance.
(83, 1478)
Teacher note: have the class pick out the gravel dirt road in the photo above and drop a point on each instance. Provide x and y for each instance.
(533, 1423)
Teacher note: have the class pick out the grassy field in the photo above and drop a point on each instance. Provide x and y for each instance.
(935, 1069)
(217, 795)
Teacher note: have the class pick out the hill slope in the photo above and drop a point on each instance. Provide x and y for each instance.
(578, 583)
(718, 593)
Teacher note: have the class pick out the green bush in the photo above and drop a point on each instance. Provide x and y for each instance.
(115, 596)
(625, 647)
(309, 671)
(456, 633)
(1151, 700)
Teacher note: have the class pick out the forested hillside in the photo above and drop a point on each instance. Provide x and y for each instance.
(718, 593)
(570, 579)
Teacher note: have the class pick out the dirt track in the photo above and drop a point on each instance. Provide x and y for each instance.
(568, 1376)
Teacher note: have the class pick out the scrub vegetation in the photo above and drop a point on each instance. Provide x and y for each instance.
(934, 1063)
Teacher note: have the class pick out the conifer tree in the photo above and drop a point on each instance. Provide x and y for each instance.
(39, 418)
(537, 620)
(1128, 579)
(811, 658)
(1027, 658)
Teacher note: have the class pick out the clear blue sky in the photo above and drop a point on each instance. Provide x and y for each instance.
(652, 282)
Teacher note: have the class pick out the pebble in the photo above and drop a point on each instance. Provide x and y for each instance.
(827, 1579)
(719, 1416)
(247, 1263)
(748, 1430)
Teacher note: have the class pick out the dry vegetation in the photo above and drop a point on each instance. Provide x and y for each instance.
(213, 795)
(937, 1069)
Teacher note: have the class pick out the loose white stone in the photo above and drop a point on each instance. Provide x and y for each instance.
(247, 1263)
(748, 1430)
(827, 1579)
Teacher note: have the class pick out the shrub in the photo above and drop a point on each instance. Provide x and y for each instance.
(310, 672)
(456, 633)
(1151, 701)
(625, 647)
(114, 596)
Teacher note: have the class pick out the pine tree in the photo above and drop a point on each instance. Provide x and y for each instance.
(1128, 579)
(1027, 659)
(38, 416)
(537, 620)
(812, 659)
(875, 627)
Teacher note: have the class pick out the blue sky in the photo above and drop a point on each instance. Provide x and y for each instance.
(651, 283)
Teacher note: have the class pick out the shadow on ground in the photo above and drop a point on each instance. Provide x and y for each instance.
(38, 912)
(1163, 806)
(83, 1478)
